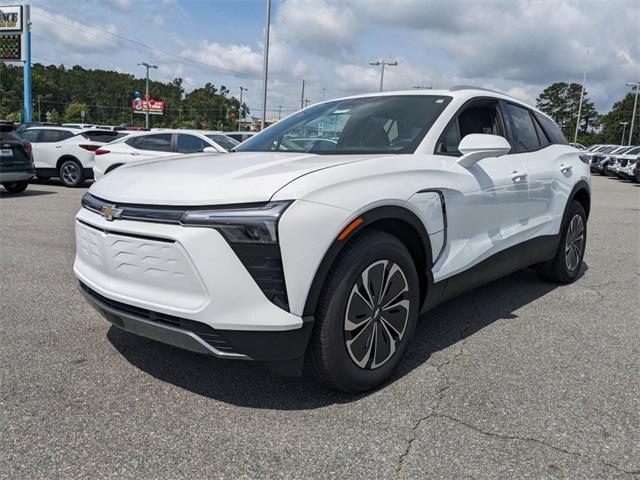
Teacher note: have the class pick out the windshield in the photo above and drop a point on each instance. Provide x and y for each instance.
(224, 141)
(381, 124)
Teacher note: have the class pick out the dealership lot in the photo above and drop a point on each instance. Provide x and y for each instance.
(520, 378)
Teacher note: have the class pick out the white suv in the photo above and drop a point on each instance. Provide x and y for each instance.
(328, 251)
(156, 144)
(66, 153)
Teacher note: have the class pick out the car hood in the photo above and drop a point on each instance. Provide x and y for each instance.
(207, 179)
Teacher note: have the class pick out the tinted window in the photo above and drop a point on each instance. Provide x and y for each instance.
(50, 136)
(236, 136)
(30, 135)
(387, 124)
(449, 141)
(190, 144)
(542, 136)
(524, 131)
(105, 136)
(160, 142)
(224, 141)
(634, 151)
(552, 130)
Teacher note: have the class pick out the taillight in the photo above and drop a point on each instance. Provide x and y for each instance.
(100, 151)
(91, 148)
(27, 147)
(583, 158)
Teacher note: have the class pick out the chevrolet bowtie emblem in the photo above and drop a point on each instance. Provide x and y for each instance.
(110, 212)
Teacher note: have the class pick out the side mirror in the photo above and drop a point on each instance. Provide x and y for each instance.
(209, 150)
(476, 146)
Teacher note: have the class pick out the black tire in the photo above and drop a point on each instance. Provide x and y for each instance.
(636, 178)
(71, 174)
(565, 266)
(16, 187)
(332, 355)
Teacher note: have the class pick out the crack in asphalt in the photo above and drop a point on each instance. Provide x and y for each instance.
(435, 413)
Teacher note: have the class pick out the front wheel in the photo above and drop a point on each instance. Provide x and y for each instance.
(71, 174)
(565, 266)
(367, 314)
(16, 187)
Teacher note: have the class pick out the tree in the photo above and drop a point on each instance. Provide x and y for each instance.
(621, 112)
(561, 102)
(73, 112)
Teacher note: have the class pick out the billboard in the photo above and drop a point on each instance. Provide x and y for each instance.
(11, 18)
(14, 21)
(156, 107)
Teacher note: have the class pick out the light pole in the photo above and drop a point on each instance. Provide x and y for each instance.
(242, 89)
(146, 92)
(584, 79)
(382, 63)
(624, 129)
(635, 85)
(265, 67)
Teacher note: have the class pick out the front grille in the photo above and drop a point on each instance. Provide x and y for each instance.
(623, 163)
(202, 330)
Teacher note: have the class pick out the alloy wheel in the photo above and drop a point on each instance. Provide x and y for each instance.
(70, 174)
(574, 243)
(377, 314)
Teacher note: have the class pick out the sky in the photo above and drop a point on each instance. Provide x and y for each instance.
(516, 46)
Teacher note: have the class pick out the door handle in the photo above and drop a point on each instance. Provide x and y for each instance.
(565, 168)
(135, 153)
(517, 176)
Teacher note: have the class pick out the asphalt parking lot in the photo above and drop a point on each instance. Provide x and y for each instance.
(518, 379)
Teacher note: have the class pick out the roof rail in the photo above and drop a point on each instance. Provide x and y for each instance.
(456, 88)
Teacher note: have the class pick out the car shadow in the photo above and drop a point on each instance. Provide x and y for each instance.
(27, 193)
(249, 384)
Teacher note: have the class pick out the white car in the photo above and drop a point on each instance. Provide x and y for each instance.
(281, 253)
(158, 143)
(66, 153)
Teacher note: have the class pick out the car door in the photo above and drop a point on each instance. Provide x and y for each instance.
(47, 147)
(486, 202)
(549, 165)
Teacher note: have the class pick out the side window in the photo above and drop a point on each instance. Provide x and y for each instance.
(159, 142)
(190, 144)
(552, 130)
(51, 136)
(542, 136)
(30, 135)
(449, 140)
(524, 130)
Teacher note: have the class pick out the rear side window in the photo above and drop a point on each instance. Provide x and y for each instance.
(160, 142)
(30, 135)
(552, 130)
(51, 136)
(524, 130)
(224, 141)
(190, 144)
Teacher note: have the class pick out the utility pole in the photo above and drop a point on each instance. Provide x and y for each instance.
(624, 129)
(302, 96)
(584, 79)
(242, 89)
(146, 92)
(265, 68)
(635, 85)
(39, 112)
(279, 112)
(382, 63)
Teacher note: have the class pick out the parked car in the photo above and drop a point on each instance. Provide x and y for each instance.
(635, 174)
(16, 161)
(156, 144)
(599, 162)
(613, 160)
(278, 255)
(240, 136)
(66, 153)
(626, 164)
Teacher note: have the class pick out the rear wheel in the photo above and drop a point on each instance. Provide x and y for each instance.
(16, 187)
(71, 174)
(367, 314)
(565, 266)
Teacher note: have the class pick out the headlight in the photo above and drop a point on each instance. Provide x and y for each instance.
(251, 224)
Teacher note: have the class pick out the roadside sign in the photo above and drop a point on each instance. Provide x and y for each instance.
(156, 107)
(13, 25)
(11, 47)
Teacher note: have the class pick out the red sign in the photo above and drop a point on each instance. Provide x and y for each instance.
(156, 107)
